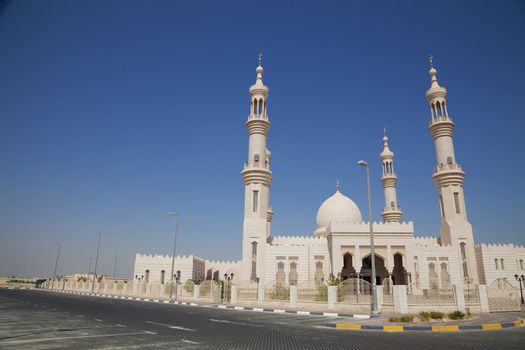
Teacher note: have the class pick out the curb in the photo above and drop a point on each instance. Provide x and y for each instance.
(297, 312)
(439, 328)
(220, 306)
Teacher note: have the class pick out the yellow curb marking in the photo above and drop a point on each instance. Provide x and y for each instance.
(489, 326)
(355, 327)
(454, 328)
(518, 323)
(393, 328)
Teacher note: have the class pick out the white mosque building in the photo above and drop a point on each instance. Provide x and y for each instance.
(340, 245)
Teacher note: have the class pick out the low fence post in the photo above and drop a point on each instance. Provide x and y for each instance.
(460, 297)
(125, 289)
(233, 296)
(162, 288)
(148, 289)
(379, 296)
(114, 292)
(332, 296)
(293, 295)
(135, 288)
(483, 298)
(260, 294)
(196, 292)
(400, 299)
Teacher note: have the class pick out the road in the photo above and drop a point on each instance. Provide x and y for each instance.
(44, 320)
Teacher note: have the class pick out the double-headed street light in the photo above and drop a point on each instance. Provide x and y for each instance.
(520, 279)
(364, 164)
(96, 261)
(173, 256)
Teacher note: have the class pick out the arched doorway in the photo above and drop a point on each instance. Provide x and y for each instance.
(399, 272)
(348, 270)
(366, 269)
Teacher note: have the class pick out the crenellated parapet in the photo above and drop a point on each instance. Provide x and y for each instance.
(297, 241)
(378, 227)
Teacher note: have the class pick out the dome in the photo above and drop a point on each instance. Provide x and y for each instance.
(338, 208)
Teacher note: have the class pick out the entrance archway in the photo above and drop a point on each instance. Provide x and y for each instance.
(399, 271)
(366, 269)
(348, 270)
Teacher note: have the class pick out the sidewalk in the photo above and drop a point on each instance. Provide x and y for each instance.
(480, 322)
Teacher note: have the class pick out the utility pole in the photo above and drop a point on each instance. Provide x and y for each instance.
(96, 261)
(56, 265)
(115, 267)
(173, 257)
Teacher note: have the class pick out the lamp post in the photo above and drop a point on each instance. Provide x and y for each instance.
(520, 279)
(364, 164)
(115, 267)
(173, 256)
(96, 261)
(227, 280)
(56, 265)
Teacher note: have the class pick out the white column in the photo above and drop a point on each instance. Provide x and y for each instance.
(148, 289)
(379, 293)
(260, 294)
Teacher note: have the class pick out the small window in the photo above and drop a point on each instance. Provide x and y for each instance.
(456, 201)
(502, 265)
(521, 264)
(496, 264)
(255, 201)
(449, 160)
(256, 158)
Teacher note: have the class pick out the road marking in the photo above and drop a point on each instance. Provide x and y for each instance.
(98, 320)
(333, 314)
(189, 341)
(75, 337)
(221, 306)
(150, 332)
(303, 312)
(172, 326)
(232, 322)
(121, 325)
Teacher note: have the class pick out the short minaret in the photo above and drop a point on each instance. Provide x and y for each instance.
(449, 177)
(257, 178)
(391, 211)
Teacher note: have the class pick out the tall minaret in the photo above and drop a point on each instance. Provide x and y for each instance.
(449, 177)
(391, 212)
(257, 178)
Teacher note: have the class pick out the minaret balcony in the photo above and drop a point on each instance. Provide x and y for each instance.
(389, 180)
(256, 175)
(448, 174)
(441, 126)
(256, 165)
(258, 125)
(390, 215)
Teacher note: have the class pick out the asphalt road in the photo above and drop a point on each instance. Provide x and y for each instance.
(43, 320)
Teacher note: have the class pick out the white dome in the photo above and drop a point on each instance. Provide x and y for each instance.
(338, 208)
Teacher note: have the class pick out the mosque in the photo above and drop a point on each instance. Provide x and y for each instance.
(340, 245)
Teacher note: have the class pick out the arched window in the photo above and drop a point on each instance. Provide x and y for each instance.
(521, 264)
(162, 276)
(432, 276)
(256, 158)
(502, 264)
(146, 276)
(445, 276)
(279, 276)
(319, 275)
(462, 247)
(496, 264)
(293, 277)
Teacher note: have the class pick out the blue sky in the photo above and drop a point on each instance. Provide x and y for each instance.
(114, 113)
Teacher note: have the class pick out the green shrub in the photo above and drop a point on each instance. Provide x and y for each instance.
(436, 315)
(424, 316)
(406, 318)
(456, 315)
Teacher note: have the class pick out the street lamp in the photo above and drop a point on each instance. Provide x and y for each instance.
(227, 280)
(364, 164)
(56, 265)
(96, 261)
(173, 256)
(520, 279)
